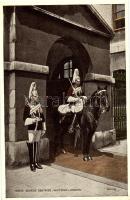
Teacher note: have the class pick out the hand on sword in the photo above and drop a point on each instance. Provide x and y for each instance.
(37, 119)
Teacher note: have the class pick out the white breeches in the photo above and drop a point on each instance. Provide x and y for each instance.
(75, 99)
(72, 99)
(34, 136)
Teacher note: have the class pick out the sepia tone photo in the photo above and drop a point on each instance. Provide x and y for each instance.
(65, 100)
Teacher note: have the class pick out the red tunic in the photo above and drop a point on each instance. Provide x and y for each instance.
(71, 92)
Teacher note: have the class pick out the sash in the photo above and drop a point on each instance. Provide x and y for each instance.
(35, 108)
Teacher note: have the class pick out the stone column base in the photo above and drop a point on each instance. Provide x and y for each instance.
(17, 152)
(104, 138)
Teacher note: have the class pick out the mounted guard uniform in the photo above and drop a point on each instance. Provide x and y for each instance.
(74, 101)
(74, 98)
(34, 119)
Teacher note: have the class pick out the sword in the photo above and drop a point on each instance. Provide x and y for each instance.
(32, 110)
(73, 88)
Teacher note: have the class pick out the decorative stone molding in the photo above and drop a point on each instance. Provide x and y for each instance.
(76, 24)
(116, 47)
(99, 77)
(23, 66)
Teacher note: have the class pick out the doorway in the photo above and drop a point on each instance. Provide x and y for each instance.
(57, 88)
(65, 55)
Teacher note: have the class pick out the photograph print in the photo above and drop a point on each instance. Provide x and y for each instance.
(65, 100)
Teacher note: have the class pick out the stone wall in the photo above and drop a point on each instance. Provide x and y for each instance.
(6, 105)
(34, 40)
(29, 39)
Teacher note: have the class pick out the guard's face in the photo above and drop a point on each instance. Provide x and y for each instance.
(77, 82)
(34, 99)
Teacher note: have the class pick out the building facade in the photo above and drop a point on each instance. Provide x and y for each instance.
(45, 44)
(115, 17)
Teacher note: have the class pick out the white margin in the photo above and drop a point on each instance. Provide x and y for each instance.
(2, 138)
(127, 43)
(2, 128)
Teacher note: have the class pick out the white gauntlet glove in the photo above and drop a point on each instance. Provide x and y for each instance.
(44, 129)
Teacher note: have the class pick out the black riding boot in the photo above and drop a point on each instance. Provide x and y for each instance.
(36, 150)
(31, 156)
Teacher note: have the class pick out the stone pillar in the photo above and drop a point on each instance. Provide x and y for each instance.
(12, 36)
(21, 74)
(12, 119)
(12, 91)
(12, 108)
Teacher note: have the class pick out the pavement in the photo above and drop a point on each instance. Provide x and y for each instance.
(120, 148)
(57, 181)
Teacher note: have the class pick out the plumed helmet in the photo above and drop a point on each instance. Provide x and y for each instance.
(33, 90)
(76, 76)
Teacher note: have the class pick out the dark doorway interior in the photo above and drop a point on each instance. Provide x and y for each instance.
(57, 88)
(65, 55)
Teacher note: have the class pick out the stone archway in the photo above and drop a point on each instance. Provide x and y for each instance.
(68, 47)
(65, 55)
